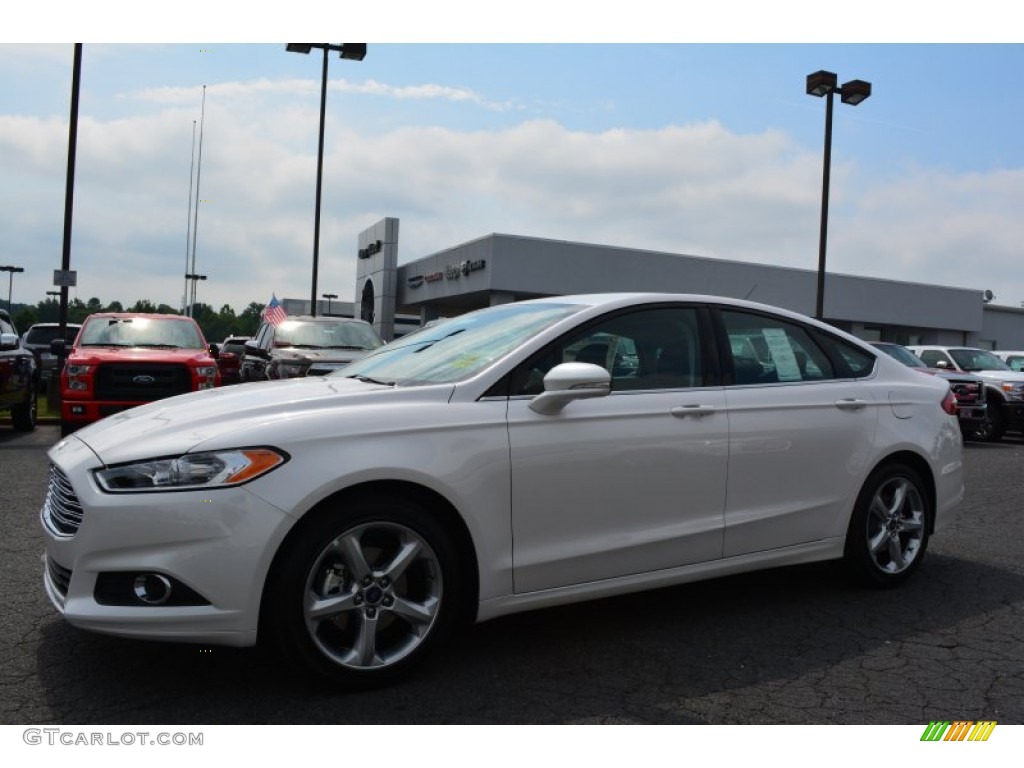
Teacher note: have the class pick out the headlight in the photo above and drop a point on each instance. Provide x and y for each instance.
(207, 371)
(78, 370)
(1013, 390)
(214, 469)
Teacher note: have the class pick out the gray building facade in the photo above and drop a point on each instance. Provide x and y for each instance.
(501, 268)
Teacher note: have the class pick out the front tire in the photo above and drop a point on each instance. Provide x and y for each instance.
(888, 533)
(360, 597)
(23, 417)
(991, 430)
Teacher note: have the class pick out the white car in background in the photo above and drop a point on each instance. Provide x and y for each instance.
(501, 461)
(1013, 358)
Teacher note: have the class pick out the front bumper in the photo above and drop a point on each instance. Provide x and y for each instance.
(213, 547)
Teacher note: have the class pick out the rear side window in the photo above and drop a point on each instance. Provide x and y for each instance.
(769, 350)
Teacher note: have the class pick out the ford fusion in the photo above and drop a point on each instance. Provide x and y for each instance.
(522, 456)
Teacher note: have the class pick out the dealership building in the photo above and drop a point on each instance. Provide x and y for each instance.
(498, 269)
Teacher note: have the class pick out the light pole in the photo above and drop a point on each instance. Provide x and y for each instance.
(193, 277)
(10, 283)
(355, 52)
(822, 83)
(329, 296)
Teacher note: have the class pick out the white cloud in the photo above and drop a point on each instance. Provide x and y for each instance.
(696, 188)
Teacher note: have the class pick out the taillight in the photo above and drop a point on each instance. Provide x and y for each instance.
(949, 404)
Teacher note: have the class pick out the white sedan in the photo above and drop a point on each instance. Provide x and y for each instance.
(525, 455)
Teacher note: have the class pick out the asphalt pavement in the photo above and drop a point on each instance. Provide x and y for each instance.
(796, 645)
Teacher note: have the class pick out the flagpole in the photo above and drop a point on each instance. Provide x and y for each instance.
(188, 219)
(195, 227)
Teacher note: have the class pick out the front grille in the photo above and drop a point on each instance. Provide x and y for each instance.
(60, 577)
(62, 513)
(968, 392)
(141, 382)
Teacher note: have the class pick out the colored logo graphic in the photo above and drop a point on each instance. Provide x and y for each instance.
(960, 730)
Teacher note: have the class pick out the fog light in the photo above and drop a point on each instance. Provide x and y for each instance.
(78, 410)
(152, 588)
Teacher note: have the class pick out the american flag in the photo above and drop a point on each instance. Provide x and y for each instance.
(274, 313)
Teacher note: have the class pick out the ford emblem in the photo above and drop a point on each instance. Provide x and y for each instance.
(143, 379)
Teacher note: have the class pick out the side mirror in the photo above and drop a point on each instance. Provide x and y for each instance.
(9, 341)
(58, 348)
(214, 351)
(942, 364)
(571, 381)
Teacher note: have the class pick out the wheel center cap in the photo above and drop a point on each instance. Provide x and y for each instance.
(374, 595)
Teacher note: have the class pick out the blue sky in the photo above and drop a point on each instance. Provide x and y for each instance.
(664, 142)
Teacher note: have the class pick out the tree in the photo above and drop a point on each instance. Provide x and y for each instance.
(25, 318)
(249, 320)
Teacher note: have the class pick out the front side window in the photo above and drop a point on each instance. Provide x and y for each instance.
(656, 348)
(932, 357)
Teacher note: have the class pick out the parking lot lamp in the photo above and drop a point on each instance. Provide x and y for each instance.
(824, 83)
(10, 283)
(355, 52)
(329, 296)
(194, 278)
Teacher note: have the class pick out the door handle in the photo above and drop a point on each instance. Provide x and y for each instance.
(851, 404)
(698, 411)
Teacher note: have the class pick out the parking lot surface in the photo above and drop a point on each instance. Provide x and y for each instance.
(796, 645)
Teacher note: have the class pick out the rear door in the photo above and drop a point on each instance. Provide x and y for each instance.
(801, 425)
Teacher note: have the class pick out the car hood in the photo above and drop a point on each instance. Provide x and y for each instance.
(96, 355)
(262, 413)
(991, 373)
(320, 355)
(942, 373)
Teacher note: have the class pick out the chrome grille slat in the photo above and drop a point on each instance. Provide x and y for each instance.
(62, 512)
(60, 577)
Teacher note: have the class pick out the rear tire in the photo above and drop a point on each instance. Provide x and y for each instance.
(888, 534)
(360, 597)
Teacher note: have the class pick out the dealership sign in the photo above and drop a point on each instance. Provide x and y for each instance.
(451, 272)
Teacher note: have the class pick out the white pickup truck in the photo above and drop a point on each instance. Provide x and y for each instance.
(1005, 386)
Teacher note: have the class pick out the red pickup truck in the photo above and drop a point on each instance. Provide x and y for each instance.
(121, 360)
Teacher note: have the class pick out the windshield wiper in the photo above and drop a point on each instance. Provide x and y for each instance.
(344, 346)
(160, 346)
(368, 380)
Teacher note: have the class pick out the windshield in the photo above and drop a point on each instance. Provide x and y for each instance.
(326, 335)
(157, 332)
(458, 348)
(903, 354)
(47, 333)
(978, 360)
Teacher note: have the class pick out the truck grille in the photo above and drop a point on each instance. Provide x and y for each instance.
(61, 513)
(968, 392)
(141, 382)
